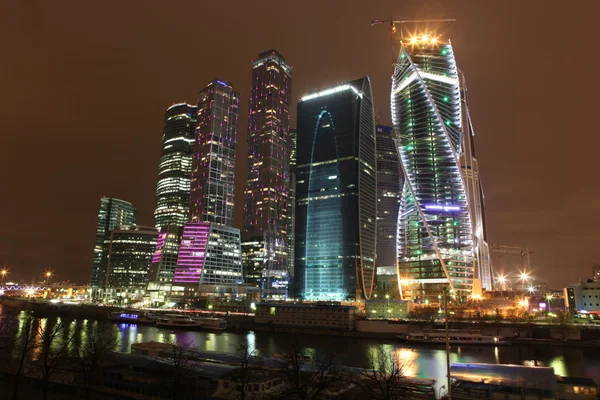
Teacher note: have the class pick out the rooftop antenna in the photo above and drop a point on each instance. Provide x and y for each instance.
(401, 22)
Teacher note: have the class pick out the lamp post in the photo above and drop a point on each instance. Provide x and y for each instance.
(48, 274)
(447, 342)
(3, 274)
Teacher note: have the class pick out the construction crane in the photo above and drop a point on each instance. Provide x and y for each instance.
(495, 248)
(393, 24)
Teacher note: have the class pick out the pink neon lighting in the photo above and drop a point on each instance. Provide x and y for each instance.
(159, 246)
(192, 252)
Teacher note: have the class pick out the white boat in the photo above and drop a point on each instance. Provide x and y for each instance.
(455, 336)
(185, 321)
(133, 317)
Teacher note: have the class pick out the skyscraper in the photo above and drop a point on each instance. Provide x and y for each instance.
(435, 236)
(483, 273)
(164, 262)
(112, 212)
(213, 164)
(389, 187)
(336, 193)
(266, 194)
(173, 188)
(209, 257)
(127, 257)
(291, 212)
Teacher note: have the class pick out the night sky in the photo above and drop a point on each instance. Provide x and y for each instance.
(84, 85)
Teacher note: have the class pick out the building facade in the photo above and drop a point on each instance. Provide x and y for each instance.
(164, 262)
(266, 194)
(127, 258)
(389, 188)
(596, 272)
(336, 206)
(175, 167)
(583, 298)
(291, 211)
(435, 235)
(213, 162)
(112, 213)
(209, 256)
(483, 271)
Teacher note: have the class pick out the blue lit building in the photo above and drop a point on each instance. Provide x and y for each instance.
(336, 205)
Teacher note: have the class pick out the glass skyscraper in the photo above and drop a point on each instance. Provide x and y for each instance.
(266, 195)
(435, 235)
(112, 213)
(213, 163)
(389, 187)
(127, 258)
(291, 212)
(210, 252)
(336, 206)
(173, 188)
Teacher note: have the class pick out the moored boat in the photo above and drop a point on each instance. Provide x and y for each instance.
(189, 322)
(455, 336)
(133, 317)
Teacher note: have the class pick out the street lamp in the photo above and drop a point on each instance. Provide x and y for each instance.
(502, 280)
(531, 289)
(48, 274)
(524, 276)
(3, 274)
(548, 297)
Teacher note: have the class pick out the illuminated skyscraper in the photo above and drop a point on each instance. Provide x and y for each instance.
(291, 212)
(266, 195)
(173, 188)
(336, 206)
(475, 197)
(112, 213)
(164, 262)
(435, 235)
(127, 257)
(213, 164)
(209, 257)
(389, 187)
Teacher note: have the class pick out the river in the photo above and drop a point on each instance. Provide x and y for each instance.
(421, 361)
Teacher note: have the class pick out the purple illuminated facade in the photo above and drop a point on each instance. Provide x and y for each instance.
(192, 253)
(267, 190)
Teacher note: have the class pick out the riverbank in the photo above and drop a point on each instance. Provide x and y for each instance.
(519, 333)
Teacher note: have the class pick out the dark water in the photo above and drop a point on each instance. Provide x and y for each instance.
(423, 361)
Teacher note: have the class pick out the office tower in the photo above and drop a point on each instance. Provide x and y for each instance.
(209, 255)
(266, 195)
(483, 275)
(209, 259)
(113, 212)
(164, 262)
(336, 206)
(127, 257)
(389, 187)
(435, 236)
(173, 188)
(291, 212)
(213, 163)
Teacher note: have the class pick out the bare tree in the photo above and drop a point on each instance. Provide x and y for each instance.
(244, 372)
(521, 318)
(310, 378)
(55, 339)
(25, 343)
(99, 343)
(562, 323)
(385, 379)
(423, 315)
(178, 358)
(6, 341)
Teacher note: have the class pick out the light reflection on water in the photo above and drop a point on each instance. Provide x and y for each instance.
(423, 362)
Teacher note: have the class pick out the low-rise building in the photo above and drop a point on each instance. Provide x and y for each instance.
(307, 315)
(583, 298)
(570, 388)
(386, 309)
